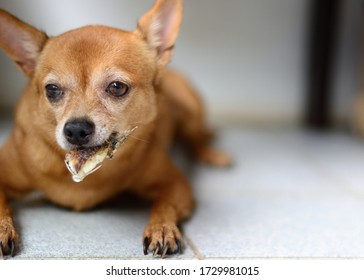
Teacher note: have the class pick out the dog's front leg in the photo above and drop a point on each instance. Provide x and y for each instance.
(173, 202)
(13, 185)
(161, 235)
(8, 235)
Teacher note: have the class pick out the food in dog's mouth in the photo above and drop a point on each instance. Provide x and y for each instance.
(82, 162)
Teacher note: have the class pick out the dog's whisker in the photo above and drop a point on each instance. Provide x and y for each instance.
(139, 139)
(136, 124)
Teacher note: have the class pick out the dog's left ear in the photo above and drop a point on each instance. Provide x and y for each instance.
(160, 27)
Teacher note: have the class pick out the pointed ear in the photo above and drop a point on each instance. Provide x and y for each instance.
(160, 27)
(20, 41)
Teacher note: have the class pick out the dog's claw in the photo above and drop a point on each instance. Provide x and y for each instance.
(12, 247)
(1, 251)
(179, 246)
(165, 250)
(7, 250)
(146, 244)
(157, 249)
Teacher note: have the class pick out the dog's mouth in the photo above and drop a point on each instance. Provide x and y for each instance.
(84, 161)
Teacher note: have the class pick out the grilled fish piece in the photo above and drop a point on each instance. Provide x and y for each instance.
(82, 162)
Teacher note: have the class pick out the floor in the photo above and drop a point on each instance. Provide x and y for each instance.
(290, 194)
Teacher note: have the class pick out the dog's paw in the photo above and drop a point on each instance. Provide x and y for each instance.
(214, 157)
(162, 239)
(8, 238)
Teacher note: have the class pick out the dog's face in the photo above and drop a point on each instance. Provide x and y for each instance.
(96, 81)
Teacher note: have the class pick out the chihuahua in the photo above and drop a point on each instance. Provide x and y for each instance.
(90, 87)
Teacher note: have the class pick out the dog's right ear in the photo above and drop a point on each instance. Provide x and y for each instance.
(20, 41)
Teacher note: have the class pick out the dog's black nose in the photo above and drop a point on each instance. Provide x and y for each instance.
(79, 131)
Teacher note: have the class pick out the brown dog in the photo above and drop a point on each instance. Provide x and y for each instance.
(85, 86)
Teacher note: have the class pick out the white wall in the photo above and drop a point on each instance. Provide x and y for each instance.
(247, 57)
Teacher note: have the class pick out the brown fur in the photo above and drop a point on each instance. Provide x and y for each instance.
(161, 103)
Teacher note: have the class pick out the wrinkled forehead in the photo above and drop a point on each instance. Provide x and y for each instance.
(88, 50)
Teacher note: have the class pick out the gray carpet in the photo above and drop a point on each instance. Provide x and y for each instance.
(291, 193)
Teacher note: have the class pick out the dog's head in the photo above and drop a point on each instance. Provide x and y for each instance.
(94, 81)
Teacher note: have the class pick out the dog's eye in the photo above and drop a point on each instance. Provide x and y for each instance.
(117, 89)
(53, 92)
